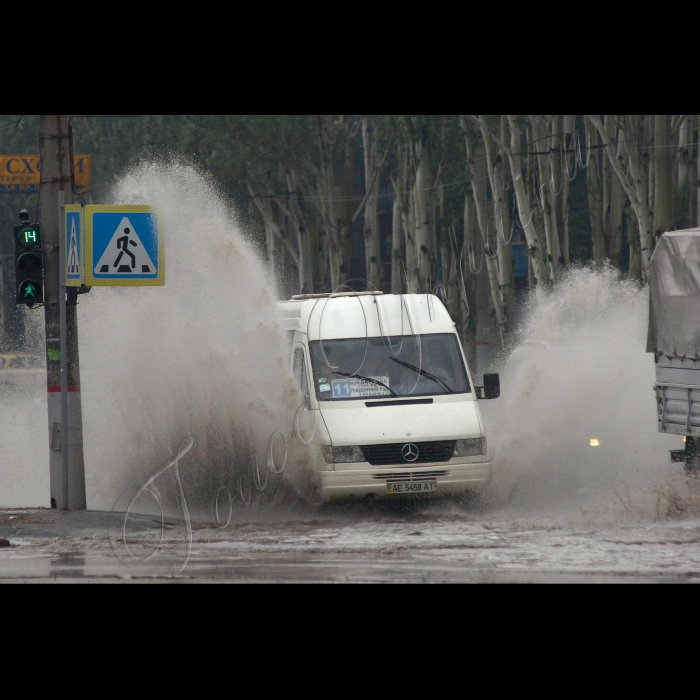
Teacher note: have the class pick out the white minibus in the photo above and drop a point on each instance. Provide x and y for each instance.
(391, 407)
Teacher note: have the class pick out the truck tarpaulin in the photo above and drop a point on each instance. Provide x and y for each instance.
(674, 300)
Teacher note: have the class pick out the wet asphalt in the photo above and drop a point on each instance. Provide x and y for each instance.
(440, 543)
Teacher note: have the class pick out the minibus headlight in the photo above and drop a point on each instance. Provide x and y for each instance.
(470, 447)
(342, 455)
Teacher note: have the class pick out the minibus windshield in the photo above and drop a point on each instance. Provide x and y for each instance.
(361, 368)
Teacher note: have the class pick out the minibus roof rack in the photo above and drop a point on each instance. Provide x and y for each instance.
(301, 297)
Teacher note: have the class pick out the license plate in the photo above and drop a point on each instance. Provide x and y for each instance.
(411, 487)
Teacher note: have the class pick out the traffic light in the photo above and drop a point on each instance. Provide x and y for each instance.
(29, 262)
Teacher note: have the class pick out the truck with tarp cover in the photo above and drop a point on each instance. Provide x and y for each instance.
(674, 338)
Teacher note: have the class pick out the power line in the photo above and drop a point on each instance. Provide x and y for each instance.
(15, 125)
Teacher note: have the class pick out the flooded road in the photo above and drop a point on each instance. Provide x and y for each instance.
(582, 486)
(428, 544)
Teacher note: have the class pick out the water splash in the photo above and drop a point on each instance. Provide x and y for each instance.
(579, 376)
(200, 356)
(24, 447)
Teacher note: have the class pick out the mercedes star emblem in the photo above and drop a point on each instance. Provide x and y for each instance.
(409, 452)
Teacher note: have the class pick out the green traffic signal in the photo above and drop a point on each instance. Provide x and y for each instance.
(29, 263)
(29, 291)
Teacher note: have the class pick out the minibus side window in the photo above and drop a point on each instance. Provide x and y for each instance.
(299, 371)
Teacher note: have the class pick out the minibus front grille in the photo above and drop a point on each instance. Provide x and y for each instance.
(410, 476)
(436, 451)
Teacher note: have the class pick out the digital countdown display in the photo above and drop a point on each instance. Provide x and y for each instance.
(29, 236)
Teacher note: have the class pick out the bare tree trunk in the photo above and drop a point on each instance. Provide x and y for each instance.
(476, 161)
(697, 176)
(512, 150)
(326, 200)
(646, 136)
(647, 163)
(613, 194)
(275, 253)
(346, 202)
(469, 319)
(694, 202)
(453, 288)
(324, 271)
(696, 219)
(396, 245)
(276, 230)
(371, 223)
(565, 126)
(609, 178)
(430, 259)
(595, 197)
(614, 204)
(301, 231)
(635, 271)
(445, 279)
(425, 216)
(526, 215)
(546, 193)
(637, 190)
(685, 173)
(498, 177)
(398, 221)
(663, 191)
(411, 248)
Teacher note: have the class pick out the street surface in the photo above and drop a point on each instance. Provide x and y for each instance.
(559, 509)
(441, 542)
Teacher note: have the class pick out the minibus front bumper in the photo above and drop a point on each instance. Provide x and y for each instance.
(395, 482)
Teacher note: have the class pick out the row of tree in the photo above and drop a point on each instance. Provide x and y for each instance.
(425, 203)
(464, 189)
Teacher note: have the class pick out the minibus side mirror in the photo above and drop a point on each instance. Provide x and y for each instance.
(491, 388)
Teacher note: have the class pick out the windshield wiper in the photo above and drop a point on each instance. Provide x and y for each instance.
(423, 372)
(366, 379)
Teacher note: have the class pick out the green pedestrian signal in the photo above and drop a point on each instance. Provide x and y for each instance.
(29, 262)
(29, 291)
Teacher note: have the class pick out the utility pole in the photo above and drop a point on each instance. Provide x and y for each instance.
(67, 467)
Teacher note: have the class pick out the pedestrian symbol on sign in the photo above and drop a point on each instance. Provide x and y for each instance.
(73, 265)
(125, 253)
(73, 250)
(123, 245)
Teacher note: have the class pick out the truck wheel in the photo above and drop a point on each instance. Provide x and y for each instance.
(692, 455)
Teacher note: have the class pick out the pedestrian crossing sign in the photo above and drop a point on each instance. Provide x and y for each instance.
(73, 227)
(123, 246)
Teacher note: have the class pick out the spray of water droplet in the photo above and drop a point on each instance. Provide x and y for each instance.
(199, 357)
(581, 374)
